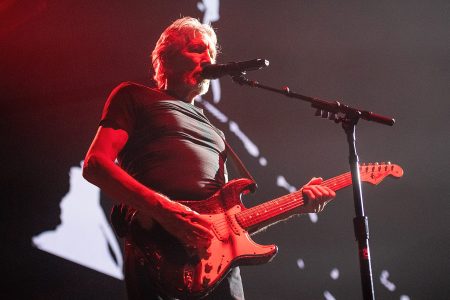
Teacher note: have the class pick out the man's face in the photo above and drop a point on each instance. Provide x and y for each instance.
(185, 66)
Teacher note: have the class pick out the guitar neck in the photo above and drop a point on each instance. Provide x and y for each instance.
(283, 207)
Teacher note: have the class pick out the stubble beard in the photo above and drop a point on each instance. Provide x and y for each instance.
(203, 87)
(192, 86)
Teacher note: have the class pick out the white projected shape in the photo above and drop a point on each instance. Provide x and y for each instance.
(214, 111)
(313, 217)
(300, 263)
(282, 182)
(84, 235)
(210, 9)
(404, 297)
(334, 274)
(216, 91)
(384, 281)
(328, 295)
(263, 161)
(248, 144)
(251, 148)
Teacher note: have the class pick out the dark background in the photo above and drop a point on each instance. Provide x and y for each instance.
(60, 59)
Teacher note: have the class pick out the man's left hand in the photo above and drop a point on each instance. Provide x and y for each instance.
(316, 196)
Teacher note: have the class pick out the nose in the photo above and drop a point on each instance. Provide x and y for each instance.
(208, 56)
(204, 63)
(206, 59)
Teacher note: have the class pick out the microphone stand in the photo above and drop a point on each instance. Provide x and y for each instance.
(349, 117)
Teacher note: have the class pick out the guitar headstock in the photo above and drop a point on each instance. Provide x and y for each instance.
(376, 172)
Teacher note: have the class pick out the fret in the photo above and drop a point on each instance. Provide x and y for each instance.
(285, 204)
(288, 203)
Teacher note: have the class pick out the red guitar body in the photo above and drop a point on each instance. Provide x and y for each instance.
(177, 274)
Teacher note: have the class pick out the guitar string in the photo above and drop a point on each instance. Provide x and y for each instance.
(206, 204)
(272, 210)
(294, 194)
(210, 204)
(247, 217)
(289, 202)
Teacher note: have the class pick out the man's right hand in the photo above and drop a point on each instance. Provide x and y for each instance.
(188, 226)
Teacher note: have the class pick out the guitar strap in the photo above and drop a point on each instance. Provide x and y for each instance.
(239, 165)
(237, 162)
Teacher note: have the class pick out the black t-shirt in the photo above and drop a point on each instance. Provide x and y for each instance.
(172, 148)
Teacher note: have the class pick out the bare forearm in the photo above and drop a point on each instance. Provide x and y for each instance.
(120, 186)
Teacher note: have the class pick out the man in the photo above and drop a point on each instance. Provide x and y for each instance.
(167, 151)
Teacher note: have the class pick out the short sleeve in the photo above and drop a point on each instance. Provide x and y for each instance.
(119, 110)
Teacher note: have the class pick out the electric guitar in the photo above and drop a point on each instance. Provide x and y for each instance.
(176, 273)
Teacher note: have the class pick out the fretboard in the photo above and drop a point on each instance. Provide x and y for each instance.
(285, 205)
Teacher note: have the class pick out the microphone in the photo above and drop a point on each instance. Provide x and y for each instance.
(213, 71)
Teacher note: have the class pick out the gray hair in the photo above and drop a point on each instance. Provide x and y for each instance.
(173, 39)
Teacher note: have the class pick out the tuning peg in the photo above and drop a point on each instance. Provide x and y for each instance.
(392, 166)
